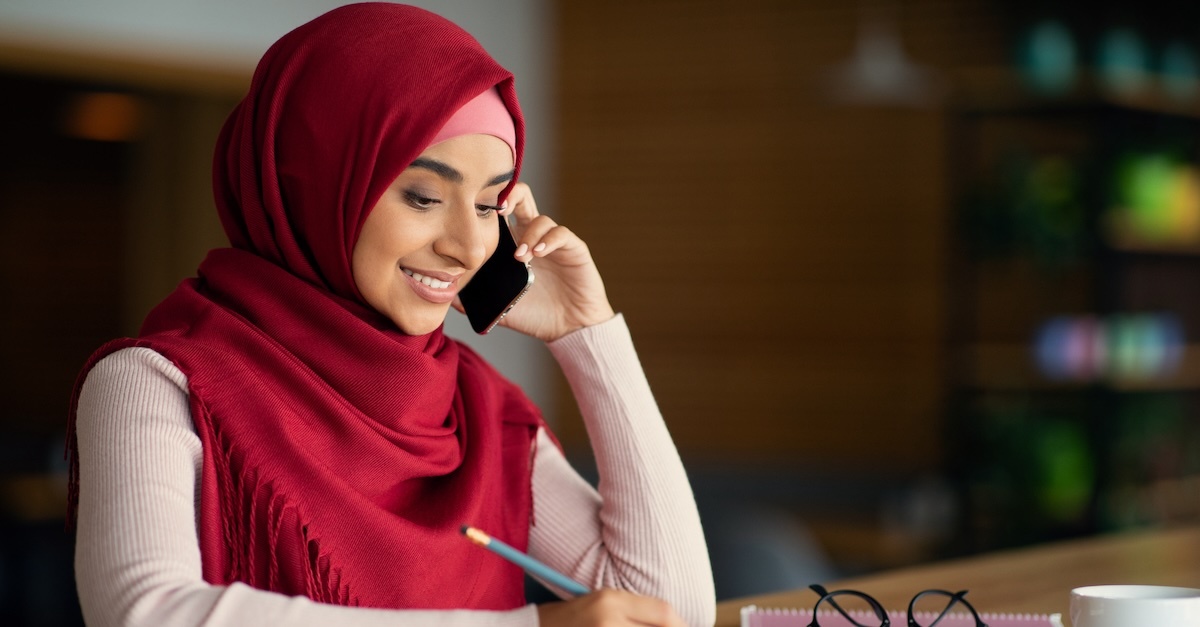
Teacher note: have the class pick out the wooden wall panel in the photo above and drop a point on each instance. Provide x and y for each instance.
(779, 256)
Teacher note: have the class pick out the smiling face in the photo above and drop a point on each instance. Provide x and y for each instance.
(432, 230)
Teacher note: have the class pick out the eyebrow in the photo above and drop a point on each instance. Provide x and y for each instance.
(454, 176)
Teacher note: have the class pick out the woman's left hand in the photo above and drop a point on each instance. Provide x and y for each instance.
(567, 291)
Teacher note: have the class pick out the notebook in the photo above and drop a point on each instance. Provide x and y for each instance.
(754, 616)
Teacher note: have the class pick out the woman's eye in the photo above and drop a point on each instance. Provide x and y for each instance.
(419, 201)
(486, 210)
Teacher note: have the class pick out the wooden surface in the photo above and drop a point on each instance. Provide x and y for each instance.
(1036, 579)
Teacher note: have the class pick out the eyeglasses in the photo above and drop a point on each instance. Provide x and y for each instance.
(915, 618)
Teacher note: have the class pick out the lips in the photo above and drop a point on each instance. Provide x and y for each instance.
(428, 280)
(437, 290)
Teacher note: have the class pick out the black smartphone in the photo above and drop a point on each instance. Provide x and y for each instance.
(498, 285)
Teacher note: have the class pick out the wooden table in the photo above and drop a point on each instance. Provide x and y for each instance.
(1037, 579)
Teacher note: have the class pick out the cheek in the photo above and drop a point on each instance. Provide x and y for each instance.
(370, 256)
(362, 268)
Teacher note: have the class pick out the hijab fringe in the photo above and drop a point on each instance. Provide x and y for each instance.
(243, 490)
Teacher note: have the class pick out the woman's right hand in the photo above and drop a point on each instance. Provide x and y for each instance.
(608, 608)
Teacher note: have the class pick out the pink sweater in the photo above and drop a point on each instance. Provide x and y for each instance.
(137, 559)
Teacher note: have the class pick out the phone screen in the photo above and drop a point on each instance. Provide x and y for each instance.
(499, 284)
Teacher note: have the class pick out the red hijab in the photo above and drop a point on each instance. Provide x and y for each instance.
(340, 455)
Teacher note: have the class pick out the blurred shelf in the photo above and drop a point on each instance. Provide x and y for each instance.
(1003, 91)
(1013, 367)
(1067, 159)
(1149, 247)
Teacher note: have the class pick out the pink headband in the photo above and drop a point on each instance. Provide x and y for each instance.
(484, 114)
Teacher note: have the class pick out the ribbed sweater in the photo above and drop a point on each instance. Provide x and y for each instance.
(137, 558)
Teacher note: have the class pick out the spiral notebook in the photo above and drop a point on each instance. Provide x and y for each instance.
(754, 616)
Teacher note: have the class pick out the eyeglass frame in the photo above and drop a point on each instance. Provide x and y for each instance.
(881, 614)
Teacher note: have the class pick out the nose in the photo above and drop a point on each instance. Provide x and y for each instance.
(463, 239)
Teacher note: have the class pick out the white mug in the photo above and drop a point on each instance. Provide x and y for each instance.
(1135, 606)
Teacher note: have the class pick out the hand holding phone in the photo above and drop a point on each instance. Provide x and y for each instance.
(500, 282)
(569, 294)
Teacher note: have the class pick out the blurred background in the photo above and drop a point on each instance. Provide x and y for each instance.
(911, 279)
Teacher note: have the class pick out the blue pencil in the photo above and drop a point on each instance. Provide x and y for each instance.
(531, 566)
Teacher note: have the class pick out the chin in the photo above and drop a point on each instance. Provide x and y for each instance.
(418, 327)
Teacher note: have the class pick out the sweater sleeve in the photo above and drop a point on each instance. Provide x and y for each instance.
(137, 556)
(641, 532)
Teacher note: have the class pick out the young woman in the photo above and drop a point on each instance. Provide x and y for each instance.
(291, 440)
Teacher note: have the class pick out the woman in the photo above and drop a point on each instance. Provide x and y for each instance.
(292, 440)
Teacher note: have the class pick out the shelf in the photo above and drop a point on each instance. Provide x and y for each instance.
(1012, 367)
(1147, 247)
(1036, 240)
(1004, 91)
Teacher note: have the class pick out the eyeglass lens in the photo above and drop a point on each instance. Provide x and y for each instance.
(848, 608)
(942, 608)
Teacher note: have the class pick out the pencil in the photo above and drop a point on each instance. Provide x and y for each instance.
(530, 565)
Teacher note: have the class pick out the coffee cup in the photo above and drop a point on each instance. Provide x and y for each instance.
(1135, 606)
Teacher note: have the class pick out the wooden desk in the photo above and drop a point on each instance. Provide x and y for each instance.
(1036, 579)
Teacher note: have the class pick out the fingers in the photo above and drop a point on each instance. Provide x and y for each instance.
(537, 235)
(610, 608)
(542, 237)
(521, 205)
(642, 610)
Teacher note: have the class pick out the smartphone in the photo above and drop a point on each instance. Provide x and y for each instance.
(498, 285)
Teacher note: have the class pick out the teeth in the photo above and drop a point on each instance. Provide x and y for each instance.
(430, 281)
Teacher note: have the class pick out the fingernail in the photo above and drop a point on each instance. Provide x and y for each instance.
(539, 248)
(522, 249)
